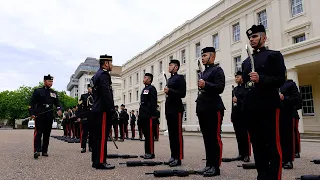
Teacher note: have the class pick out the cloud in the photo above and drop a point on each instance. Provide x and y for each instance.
(54, 36)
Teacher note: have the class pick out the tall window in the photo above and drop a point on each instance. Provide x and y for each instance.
(130, 97)
(237, 63)
(299, 38)
(198, 50)
(137, 77)
(307, 100)
(215, 39)
(151, 69)
(262, 18)
(296, 7)
(160, 66)
(183, 56)
(236, 32)
(124, 99)
(160, 86)
(130, 82)
(185, 112)
(124, 83)
(137, 95)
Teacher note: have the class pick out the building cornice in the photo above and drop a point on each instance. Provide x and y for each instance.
(298, 47)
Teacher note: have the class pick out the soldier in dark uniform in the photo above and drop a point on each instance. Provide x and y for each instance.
(210, 111)
(156, 123)
(175, 90)
(102, 112)
(122, 122)
(115, 122)
(86, 102)
(261, 103)
(133, 124)
(290, 97)
(239, 123)
(147, 112)
(40, 109)
(126, 122)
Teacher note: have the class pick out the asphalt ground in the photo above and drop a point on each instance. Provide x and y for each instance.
(66, 162)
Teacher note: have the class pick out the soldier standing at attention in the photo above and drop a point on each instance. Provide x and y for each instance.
(148, 112)
(239, 123)
(40, 109)
(122, 122)
(102, 112)
(133, 124)
(262, 102)
(210, 111)
(175, 90)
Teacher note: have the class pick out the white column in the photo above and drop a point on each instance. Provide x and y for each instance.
(293, 74)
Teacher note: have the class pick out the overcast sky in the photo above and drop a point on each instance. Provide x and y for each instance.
(38, 37)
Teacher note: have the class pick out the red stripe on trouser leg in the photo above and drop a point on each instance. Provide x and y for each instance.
(180, 137)
(249, 144)
(218, 136)
(151, 136)
(103, 136)
(278, 143)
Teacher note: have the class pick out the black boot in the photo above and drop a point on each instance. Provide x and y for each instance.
(45, 154)
(104, 166)
(203, 170)
(246, 159)
(212, 171)
(175, 163)
(148, 156)
(83, 150)
(288, 165)
(297, 155)
(36, 155)
(169, 161)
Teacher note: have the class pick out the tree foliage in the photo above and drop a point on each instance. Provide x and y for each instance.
(14, 104)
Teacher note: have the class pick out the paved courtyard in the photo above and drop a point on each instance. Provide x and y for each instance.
(66, 162)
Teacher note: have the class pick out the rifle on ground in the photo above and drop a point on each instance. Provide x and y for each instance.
(170, 173)
(309, 177)
(316, 161)
(124, 156)
(142, 163)
(248, 166)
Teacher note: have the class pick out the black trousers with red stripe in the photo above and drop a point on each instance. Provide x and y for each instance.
(42, 130)
(147, 129)
(242, 135)
(287, 135)
(264, 132)
(102, 122)
(174, 122)
(210, 125)
(297, 136)
(121, 128)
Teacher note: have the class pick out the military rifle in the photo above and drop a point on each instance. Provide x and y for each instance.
(248, 166)
(142, 163)
(125, 156)
(170, 173)
(316, 161)
(309, 177)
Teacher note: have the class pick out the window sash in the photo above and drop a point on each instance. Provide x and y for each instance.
(262, 18)
(236, 32)
(296, 7)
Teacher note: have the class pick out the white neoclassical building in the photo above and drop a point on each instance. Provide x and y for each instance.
(292, 27)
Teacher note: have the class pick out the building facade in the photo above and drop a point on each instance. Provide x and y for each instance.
(84, 72)
(291, 27)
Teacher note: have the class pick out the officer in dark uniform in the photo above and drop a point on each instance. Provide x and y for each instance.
(102, 112)
(85, 103)
(115, 122)
(133, 124)
(261, 103)
(239, 123)
(122, 122)
(40, 109)
(290, 97)
(147, 112)
(126, 122)
(156, 123)
(210, 111)
(175, 90)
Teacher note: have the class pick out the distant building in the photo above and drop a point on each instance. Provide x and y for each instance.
(81, 78)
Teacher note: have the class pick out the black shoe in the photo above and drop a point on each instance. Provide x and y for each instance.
(288, 165)
(203, 170)
(90, 149)
(212, 171)
(83, 150)
(94, 165)
(246, 159)
(148, 156)
(36, 155)
(169, 161)
(45, 154)
(297, 155)
(175, 163)
(104, 166)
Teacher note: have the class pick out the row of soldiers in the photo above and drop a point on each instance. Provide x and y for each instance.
(263, 105)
